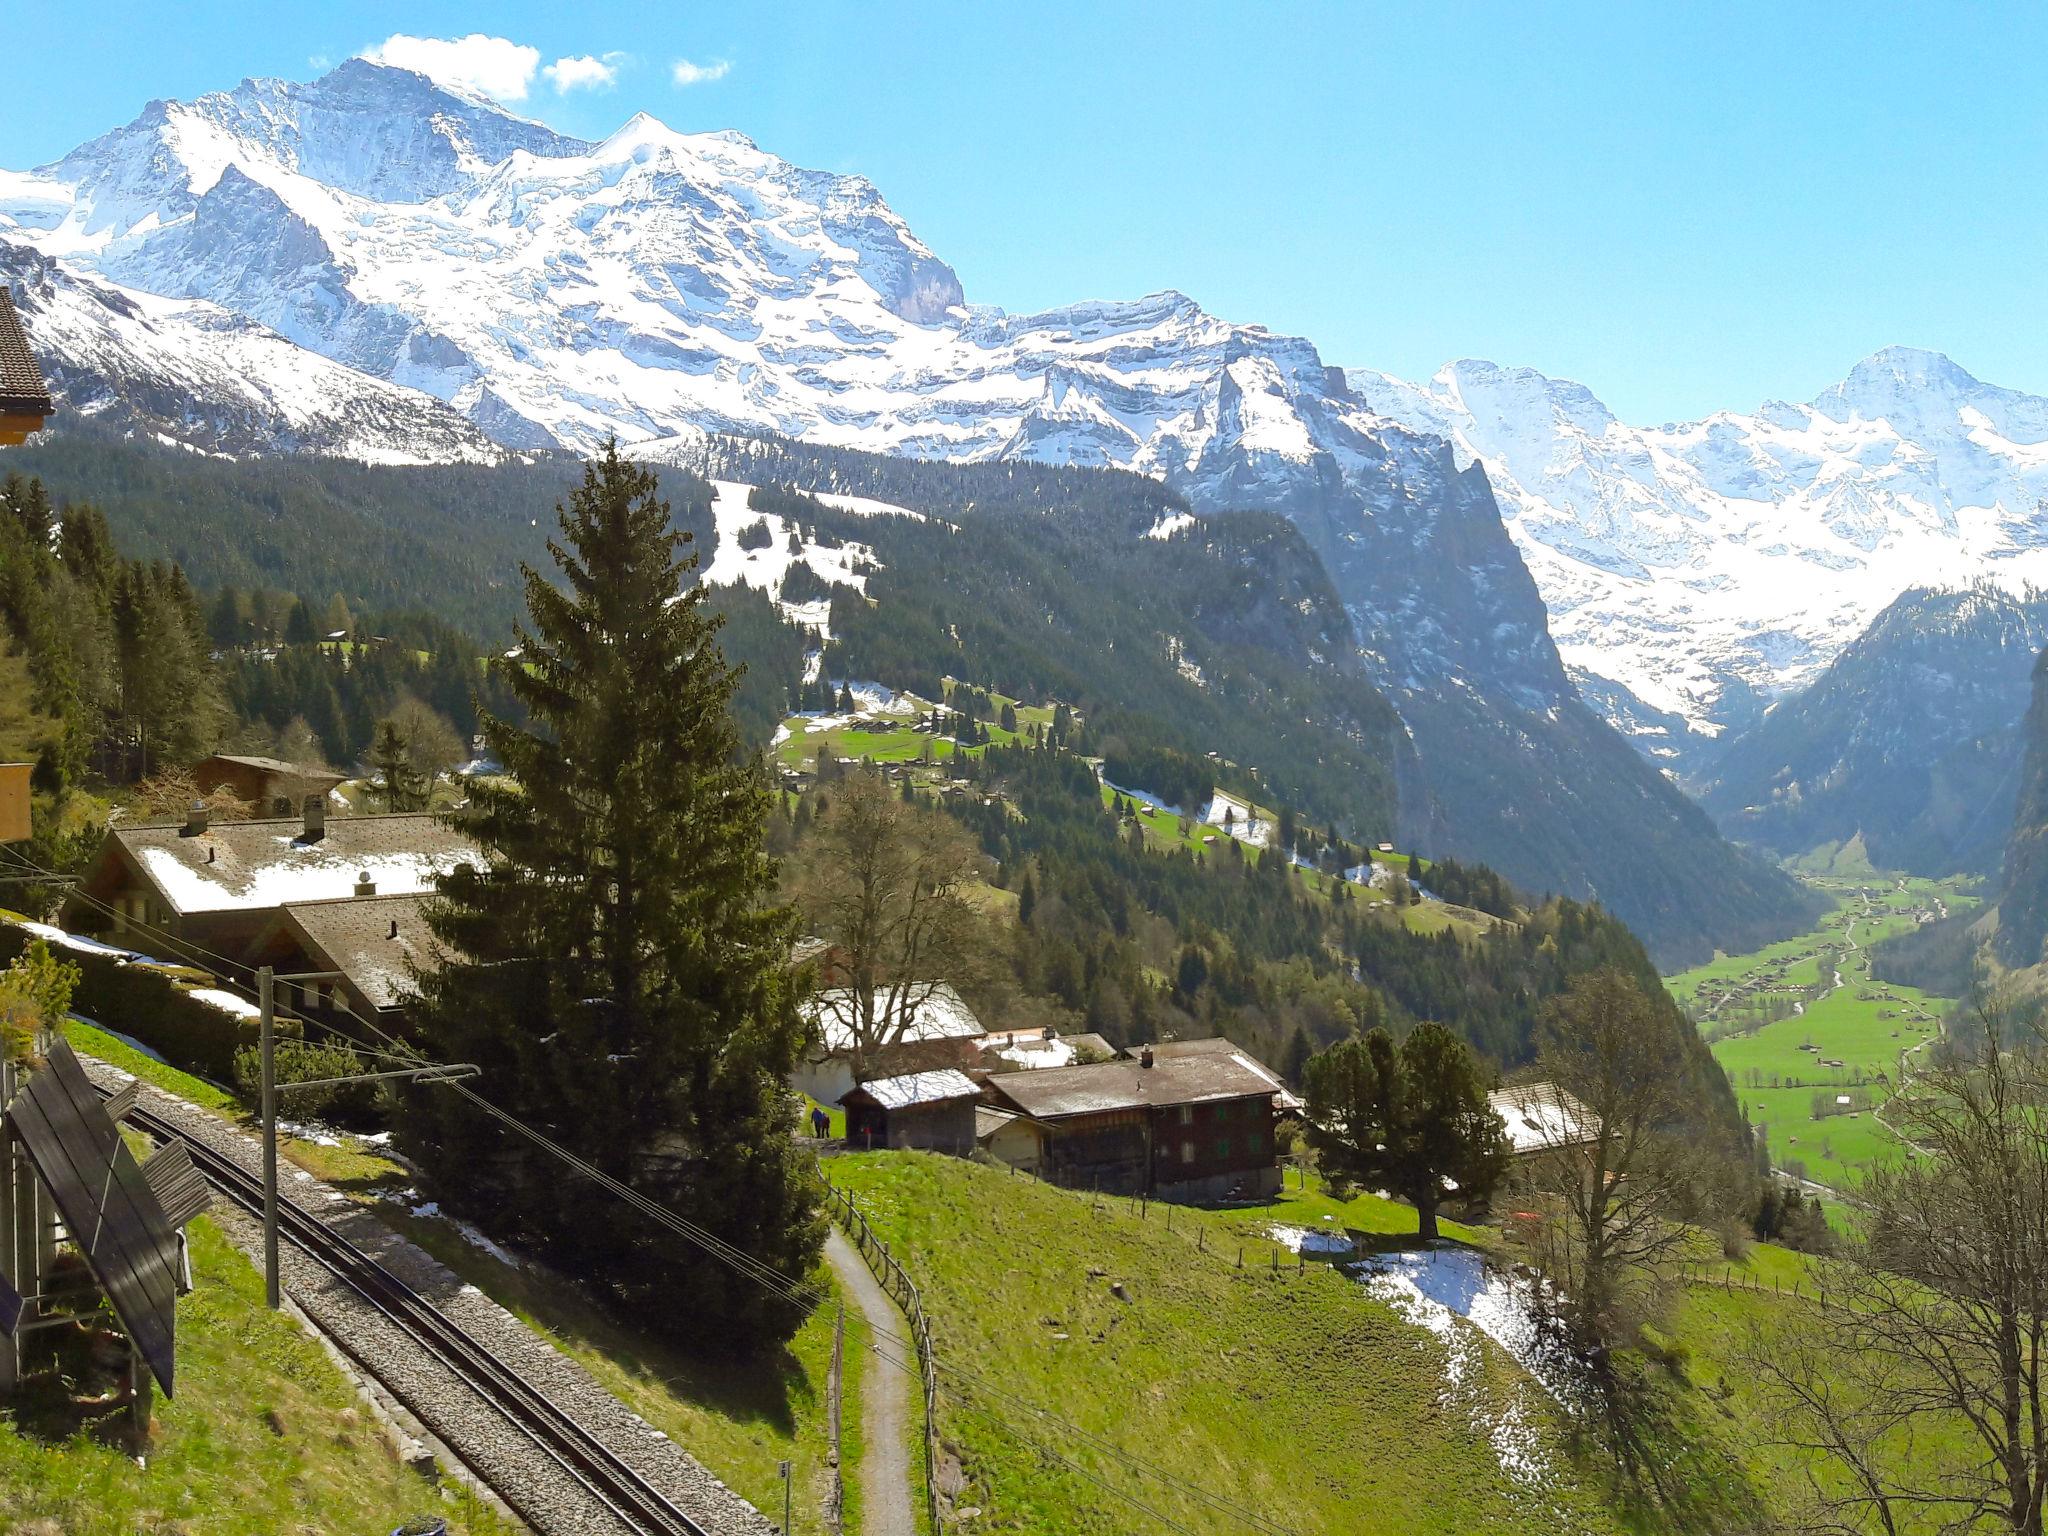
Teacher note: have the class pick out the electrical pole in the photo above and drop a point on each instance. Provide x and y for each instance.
(266, 987)
(266, 992)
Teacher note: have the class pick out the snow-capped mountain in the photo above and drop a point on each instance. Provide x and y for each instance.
(558, 291)
(1710, 566)
(189, 373)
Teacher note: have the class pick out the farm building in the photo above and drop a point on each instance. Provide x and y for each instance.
(202, 890)
(931, 1111)
(1542, 1117)
(835, 1062)
(1197, 1126)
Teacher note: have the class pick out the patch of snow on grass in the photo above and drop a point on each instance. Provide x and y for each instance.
(1169, 525)
(1455, 1294)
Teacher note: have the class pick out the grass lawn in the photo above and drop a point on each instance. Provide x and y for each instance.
(1709, 1413)
(1863, 1023)
(1295, 1394)
(265, 1435)
(887, 736)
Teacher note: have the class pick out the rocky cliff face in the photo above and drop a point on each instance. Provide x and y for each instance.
(1911, 739)
(2022, 937)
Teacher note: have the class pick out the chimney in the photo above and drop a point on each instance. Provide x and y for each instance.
(316, 819)
(195, 819)
(1145, 1057)
(394, 929)
(365, 886)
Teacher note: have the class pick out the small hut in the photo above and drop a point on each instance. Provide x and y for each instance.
(929, 1110)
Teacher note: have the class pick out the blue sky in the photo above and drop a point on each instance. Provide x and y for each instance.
(1686, 208)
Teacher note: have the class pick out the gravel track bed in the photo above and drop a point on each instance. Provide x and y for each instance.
(497, 1452)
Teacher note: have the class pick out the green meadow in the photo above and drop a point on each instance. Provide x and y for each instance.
(1801, 1024)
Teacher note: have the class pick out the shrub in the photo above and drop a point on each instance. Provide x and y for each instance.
(148, 1004)
(300, 1061)
(756, 536)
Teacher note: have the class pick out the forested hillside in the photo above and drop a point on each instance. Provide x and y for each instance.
(1221, 637)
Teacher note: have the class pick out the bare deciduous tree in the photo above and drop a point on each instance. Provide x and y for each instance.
(1616, 1176)
(884, 883)
(1920, 1396)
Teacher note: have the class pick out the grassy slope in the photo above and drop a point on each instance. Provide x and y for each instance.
(738, 1419)
(1865, 1024)
(1295, 1394)
(264, 1436)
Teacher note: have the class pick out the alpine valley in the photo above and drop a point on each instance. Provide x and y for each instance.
(1519, 623)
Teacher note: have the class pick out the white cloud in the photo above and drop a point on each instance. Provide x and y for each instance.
(320, 62)
(496, 66)
(687, 73)
(587, 72)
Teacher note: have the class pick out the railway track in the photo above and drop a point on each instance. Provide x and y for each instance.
(584, 1458)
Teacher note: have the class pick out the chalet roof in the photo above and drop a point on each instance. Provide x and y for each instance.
(278, 765)
(372, 940)
(940, 1015)
(1541, 1116)
(1217, 1045)
(21, 382)
(914, 1088)
(1194, 1078)
(251, 865)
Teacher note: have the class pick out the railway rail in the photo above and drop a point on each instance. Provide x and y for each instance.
(585, 1458)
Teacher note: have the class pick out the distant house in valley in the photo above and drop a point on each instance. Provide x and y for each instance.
(940, 1031)
(202, 890)
(375, 943)
(1542, 1117)
(933, 1111)
(24, 398)
(1192, 1126)
(273, 787)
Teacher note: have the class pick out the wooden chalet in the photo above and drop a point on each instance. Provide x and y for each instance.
(929, 1110)
(273, 787)
(203, 890)
(1195, 1126)
(377, 944)
(25, 404)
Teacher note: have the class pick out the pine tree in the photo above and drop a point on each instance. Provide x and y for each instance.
(618, 966)
(298, 629)
(405, 787)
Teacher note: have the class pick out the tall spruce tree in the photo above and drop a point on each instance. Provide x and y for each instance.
(618, 969)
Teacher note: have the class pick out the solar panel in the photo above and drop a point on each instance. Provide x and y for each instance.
(108, 1207)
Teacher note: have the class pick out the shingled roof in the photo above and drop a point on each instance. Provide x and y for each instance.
(249, 865)
(24, 398)
(374, 941)
(1195, 1078)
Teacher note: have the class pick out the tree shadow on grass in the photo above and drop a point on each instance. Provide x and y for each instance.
(1664, 1473)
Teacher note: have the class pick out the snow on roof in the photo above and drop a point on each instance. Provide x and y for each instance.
(250, 865)
(1540, 1116)
(916, 1088)
(940, 1015)
(78, 943)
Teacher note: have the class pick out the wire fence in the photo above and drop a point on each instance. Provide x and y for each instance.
(903, 1291)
